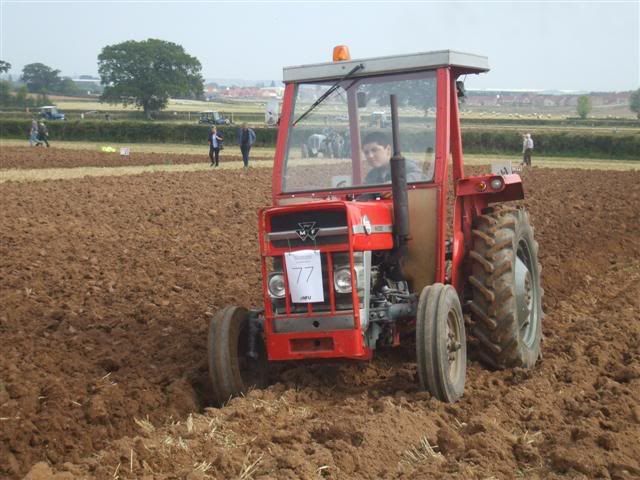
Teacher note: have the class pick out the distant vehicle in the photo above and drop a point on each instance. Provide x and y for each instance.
(212, 117)
(51, 112)
(272, 113)
(328, 144)
(379, 119)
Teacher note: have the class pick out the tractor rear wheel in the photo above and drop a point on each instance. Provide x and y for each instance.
(231, 369)
(507, 297)
(440, 343)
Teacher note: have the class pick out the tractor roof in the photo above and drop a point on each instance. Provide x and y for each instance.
(463, 63)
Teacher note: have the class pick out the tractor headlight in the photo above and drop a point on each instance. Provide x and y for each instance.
(497, 183)
(275, 285)
(342, 280)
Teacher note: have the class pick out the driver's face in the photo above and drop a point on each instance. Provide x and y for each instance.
(376, 154)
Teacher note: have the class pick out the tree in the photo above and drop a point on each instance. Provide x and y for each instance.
(584, 106)
(68, 87)
(40, 78)
(147, 73)
(5, 93)
(22, 97)
(417, 93)
(4, 66)
(634, 102)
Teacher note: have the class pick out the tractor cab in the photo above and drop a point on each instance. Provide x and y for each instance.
(361, 249)
(351, 100)
(379, 119)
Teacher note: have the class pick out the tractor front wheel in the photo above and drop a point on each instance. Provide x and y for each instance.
(233, 371)
(507, 296)
(440, 343)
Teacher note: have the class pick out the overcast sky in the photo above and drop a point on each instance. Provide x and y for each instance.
(591, 46)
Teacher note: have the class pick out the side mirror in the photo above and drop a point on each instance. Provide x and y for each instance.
(462, 93)
(362, 99)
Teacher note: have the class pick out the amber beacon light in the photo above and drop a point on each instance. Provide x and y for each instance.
(341, 53)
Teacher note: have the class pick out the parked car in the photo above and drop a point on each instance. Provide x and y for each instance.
(51, 112)
(212, 117)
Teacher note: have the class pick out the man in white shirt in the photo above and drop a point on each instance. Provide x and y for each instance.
(527, 148)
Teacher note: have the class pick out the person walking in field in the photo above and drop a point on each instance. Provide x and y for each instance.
(246, 139)
(215, 142)
(43, 135)
(527, 148)
(33, 133)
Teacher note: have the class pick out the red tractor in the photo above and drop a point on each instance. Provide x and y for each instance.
(358, 251)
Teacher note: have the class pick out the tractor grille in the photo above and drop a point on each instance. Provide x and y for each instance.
(341, 301)
(331, 229)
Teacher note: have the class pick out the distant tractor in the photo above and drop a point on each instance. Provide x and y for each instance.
(327, 144)
(379, 119)
(51, 112)
(360, 251)
(272, 113)
(212, 117)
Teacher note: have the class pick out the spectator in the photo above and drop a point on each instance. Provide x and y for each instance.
(33, 133)
(246, 139)
(43, 134)
(527, 148)
(215, 143)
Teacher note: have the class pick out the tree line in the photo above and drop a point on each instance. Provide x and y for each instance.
(145, 74)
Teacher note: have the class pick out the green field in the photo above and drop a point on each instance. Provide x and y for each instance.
(90, 104)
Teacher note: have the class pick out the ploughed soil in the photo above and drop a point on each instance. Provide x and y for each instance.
(107, 285)
(41, 157)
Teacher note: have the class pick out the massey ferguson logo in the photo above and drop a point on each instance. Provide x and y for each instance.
(307, 230)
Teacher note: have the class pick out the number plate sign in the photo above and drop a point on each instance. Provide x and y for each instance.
(304, 272)
(501, 168)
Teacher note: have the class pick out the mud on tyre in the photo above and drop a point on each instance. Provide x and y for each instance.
(506, 305)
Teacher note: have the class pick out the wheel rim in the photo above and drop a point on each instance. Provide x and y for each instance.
(454, 347)
(527, 295)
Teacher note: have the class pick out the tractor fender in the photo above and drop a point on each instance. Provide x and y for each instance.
(473, 196)
(494, 188)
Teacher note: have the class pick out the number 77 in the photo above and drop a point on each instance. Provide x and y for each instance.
(310, 268)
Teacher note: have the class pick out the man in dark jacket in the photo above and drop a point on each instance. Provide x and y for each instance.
(43, 134)
(215, 143)
(246, 138)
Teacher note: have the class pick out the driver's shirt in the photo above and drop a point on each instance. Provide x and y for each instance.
(381, 175)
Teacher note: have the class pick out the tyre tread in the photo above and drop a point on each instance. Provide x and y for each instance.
(492, 307)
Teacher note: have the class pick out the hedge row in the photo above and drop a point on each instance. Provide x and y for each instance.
(561, 143)
(164, 116)
(566, 144)
(134, 132)
(564, 122)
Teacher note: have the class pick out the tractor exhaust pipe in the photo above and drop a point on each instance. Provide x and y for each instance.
(398, 182)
